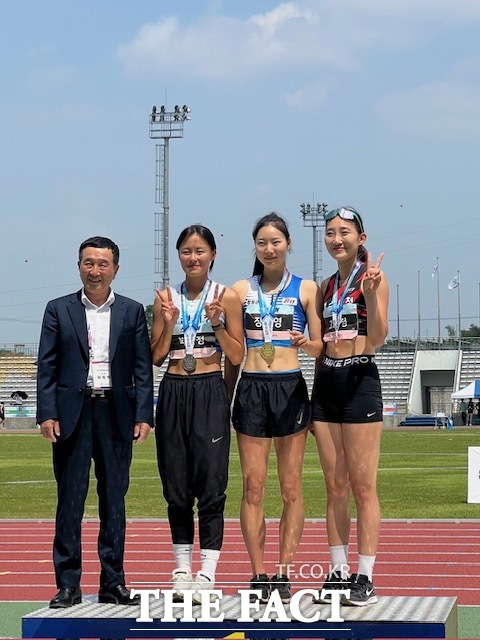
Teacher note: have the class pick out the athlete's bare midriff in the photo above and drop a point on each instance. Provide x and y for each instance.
(204, 365)
(286, 359)
(360, 346)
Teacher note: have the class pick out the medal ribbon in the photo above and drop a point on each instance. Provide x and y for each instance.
(191, 325)
(269, 315)
(337, 304)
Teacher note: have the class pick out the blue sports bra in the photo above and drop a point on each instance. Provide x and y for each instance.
(289, 314)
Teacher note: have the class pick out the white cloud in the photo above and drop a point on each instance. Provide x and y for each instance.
(291, 35)
(440, 108)
(309, 98)
(273, 20)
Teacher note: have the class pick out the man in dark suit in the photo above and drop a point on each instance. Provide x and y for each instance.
(94, 399)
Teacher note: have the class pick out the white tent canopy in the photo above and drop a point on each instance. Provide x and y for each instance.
(472, 390)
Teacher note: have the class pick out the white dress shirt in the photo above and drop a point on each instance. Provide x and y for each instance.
(98, 328)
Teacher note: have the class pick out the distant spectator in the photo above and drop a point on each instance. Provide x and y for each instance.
(470, 412)
(463, 411)
(2, 415)
(17, 399)
(477, 407)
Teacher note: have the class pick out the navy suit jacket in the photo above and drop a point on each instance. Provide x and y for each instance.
(63, 364)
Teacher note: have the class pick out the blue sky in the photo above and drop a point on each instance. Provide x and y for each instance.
(373, 103)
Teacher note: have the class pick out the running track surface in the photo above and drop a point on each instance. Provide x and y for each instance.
(415, 558)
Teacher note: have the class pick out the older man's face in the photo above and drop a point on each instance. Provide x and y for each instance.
(97, 271)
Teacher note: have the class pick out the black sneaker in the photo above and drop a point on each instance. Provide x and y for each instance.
(362, 591)
(335, 581)
(282, 585)
(260, 583)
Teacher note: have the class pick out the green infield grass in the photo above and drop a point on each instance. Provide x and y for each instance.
(422, 474)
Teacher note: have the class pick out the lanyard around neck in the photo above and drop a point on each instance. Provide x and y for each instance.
(194, 322)
(268, 315)
(262, 298)
(338, 302)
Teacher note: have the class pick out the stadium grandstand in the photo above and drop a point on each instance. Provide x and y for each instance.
(417, 379)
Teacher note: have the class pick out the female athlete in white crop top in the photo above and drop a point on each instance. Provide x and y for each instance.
(192, 324)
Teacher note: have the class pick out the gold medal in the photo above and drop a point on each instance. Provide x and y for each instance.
(267, 351)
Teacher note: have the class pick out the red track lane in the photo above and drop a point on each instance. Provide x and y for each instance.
(417, 558)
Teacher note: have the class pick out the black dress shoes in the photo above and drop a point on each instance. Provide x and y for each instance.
(66, 597)
(117, 595)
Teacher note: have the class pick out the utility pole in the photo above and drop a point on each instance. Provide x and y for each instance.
(313, 216)
(164, 125)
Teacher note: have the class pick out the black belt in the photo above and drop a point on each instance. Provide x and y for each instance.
(98, 393)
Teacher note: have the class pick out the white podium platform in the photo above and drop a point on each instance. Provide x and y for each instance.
(392, 617)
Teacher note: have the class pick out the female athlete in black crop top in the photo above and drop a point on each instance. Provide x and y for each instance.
(347, 401)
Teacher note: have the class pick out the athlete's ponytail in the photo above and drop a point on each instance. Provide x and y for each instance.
(362, 253)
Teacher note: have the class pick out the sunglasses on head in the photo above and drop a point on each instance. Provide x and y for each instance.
(345, 213)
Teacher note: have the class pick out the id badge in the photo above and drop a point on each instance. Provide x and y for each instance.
(101, 375)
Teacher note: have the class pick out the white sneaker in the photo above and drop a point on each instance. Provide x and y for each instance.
(182, 581)
(200, 583)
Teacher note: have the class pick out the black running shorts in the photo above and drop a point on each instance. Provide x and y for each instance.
(271, 404)
(347, 391)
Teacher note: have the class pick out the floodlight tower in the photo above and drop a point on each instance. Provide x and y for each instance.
(312, 215)
(163, 126)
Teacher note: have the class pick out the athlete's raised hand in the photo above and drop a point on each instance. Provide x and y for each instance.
(170, 311)
(214, 309)
(373, 274)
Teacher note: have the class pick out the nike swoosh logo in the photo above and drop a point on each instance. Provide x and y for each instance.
(300, 418)
(214, 440)
(368, 592)
(369, 415)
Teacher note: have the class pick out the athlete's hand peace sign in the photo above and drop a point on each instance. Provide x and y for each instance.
(373, 275)
(170, 312)
(214, 309)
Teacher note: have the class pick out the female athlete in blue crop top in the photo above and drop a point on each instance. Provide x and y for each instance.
(347, 401)
(271, 401)
(192, 324)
